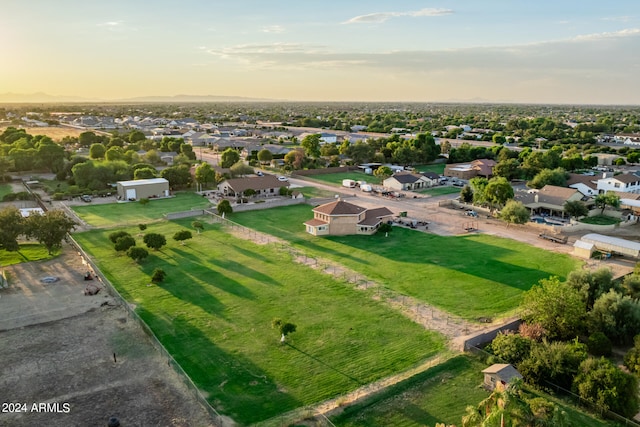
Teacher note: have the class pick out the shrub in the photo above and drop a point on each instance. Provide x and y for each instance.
(599, 344)
(182, 235)
(154, 240)
(158, 275)
(142, 227)
(124, 243)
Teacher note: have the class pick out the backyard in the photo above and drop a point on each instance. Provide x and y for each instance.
(106, 215)
(28, 252)
(489, 274)
(214, 311)
(439, 395)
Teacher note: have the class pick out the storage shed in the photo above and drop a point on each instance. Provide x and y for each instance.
(612, 245)
(502, 373)
(142, 189)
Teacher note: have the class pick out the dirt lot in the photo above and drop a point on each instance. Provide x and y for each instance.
(54, 132)
(66, 355)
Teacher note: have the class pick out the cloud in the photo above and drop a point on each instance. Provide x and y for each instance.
(626, 18)
(609, 35)
(379, 17)
(111, 24)
(277, 29)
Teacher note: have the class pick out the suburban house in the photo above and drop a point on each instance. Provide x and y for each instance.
(339, 218)
(500, 373)
(624, 183)
(406, 181)
(549, 200)
(200, 139)
(586, 184)
(274, 149)
(480, 167)
(265, 186)
(142, 189)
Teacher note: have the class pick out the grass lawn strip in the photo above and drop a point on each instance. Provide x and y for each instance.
(28, 252)
(131, 213)
(470, 276)
(214, 312)
(438, 395)
(4, 190)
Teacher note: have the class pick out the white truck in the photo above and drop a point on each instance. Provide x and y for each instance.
(349, 183)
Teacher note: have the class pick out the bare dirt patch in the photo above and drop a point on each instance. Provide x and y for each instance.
(58, 347)
(54, 132)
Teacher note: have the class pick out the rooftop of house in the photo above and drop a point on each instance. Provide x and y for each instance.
(240, 185)
(339, 207)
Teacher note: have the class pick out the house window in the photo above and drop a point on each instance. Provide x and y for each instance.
(617, 185)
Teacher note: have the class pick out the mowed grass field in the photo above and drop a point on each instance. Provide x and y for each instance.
(107, 215)
(470, 276)
(214, 311)
(439, 395)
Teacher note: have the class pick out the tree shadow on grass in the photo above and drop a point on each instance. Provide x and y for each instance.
(333, 368)
(233, 384)
(243, 269)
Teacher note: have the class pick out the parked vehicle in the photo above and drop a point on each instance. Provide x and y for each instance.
(366, 188)
(283, 178)
(349, 183)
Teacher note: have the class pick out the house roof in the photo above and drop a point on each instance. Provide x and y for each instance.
(406, 177)
(588, 180)
(431, 175)
(504, 371)
(626, 178)
(143, 182)
(374, 216)
(339, 207)
(315, 222)
(549, 195)
(240, 185)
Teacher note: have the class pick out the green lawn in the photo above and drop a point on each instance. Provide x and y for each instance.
(214, 313)
(105, 215)
(28, 252)
(437, 168)
(312, 192)
(439, 191)
(336, 178)
(4, 190)
(471, 276)
(439, 395)
(600, 220)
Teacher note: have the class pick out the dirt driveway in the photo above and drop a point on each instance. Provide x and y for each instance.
(57, 347)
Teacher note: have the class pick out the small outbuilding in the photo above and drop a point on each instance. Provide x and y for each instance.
(142, 189)
(502, 373)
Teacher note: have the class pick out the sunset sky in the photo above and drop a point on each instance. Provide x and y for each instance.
(561, 51)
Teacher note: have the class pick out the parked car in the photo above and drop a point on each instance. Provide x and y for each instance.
(85, 198)
(283, 178)
(259, 173)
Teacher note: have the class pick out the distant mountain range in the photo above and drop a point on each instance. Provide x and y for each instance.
(41, 97)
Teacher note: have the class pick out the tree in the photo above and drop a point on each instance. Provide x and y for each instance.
(497, 192)
(311, 145)
(555, 306)
(182, 235)
(599, 344)
(383, 172)
(124, 243)
(49, 229)
(631, 285)
(514, 212)
(602, 383)
(284, 328)
(158, 275)
(224, 208)
(205, 174)
(591, 284)
(145, 173)
(466, 194)
(198, 225)
(85, 139)
(265, 156)
(229, 157)
(11, 227)
(615, 315)
(632, 358)
(557, 177)
(116, 235)
(114, 153)
(136, 136)
(96, 151)
(607, 199)
(576, 209)
(478, 185)
(178, 176)
(241, 169)
(508, 168)
(137, 253)
(142, 227)
(510, 347)
(154, 240)
(553, 362)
